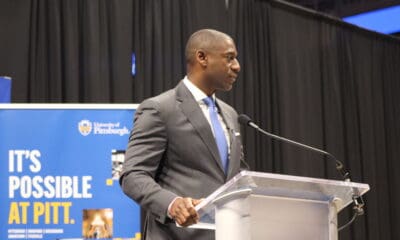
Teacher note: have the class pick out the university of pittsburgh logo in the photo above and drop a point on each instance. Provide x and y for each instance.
(85, 127)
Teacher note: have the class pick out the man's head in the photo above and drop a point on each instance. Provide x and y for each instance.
(211, 60)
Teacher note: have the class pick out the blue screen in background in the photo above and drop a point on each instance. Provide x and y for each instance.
(385, 20)
(5, 89)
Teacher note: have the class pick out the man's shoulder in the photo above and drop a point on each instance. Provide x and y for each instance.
(160, 102)
(165, 97)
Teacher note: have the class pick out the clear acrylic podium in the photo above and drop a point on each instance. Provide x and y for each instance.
(255, 206)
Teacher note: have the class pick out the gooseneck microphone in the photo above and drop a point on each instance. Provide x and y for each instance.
(358, 202)
(246, 120)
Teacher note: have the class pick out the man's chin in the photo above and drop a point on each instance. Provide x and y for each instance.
(226, 88)
(229, 85)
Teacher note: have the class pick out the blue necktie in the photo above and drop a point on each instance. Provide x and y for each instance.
(218, 132)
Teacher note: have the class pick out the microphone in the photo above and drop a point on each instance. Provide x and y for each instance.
(246, 120)
(358, 201)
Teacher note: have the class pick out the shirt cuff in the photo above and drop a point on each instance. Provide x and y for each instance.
(169, 207)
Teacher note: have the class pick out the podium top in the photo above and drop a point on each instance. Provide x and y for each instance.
(278, 185)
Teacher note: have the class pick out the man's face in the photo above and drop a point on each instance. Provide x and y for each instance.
(223, 66)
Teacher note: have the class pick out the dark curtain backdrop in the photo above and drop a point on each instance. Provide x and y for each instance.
(305, 76)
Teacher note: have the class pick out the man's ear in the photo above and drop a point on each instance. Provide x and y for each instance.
(201, 57)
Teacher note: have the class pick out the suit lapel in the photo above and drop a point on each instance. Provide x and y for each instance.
(192, 111)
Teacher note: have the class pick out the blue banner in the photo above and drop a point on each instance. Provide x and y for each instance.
(59, 174)
(5, 89)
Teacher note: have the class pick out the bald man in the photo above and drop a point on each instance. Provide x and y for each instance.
(185, 142)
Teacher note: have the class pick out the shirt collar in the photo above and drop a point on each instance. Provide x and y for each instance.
(197, 93)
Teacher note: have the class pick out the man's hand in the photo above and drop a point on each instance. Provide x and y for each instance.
(183, 212)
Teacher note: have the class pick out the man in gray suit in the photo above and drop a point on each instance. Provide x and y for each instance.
(185, 142)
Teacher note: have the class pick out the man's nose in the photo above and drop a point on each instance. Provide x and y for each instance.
(236, 66)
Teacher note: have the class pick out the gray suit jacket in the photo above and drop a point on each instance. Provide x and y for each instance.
(172, 152)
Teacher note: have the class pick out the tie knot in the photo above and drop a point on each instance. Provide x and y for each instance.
(209, 101)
